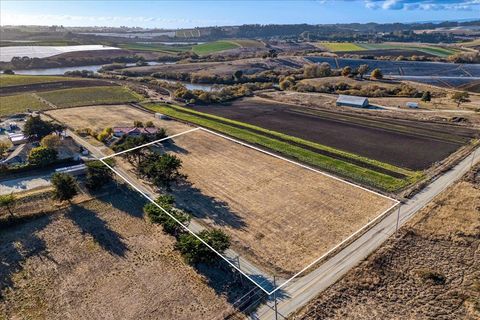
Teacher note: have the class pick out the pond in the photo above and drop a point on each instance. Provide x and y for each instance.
(7, 53)
(195, 86)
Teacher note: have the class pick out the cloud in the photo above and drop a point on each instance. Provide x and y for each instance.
(466, 5)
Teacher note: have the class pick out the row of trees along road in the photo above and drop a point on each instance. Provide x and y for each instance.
(190, 246)
(163, 170)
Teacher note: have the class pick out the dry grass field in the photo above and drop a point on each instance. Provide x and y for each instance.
(248, 66)
(437, 103)
(431, 271)
(439, 109)
(278, 214)
(99, 259)
(99, 117)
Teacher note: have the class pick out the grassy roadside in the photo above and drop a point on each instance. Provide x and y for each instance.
(342, 168)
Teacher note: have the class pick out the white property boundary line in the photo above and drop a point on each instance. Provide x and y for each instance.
(149, 143)
(185, 227)
(379, 217)
(294, 162)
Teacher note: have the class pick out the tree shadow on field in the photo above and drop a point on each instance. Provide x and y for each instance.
(89, 223)
(171, 146)
(192, 200)
(126, 199)
(17, 244)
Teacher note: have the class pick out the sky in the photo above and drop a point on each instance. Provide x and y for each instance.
(188, 14)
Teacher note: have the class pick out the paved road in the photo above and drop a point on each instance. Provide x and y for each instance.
(24, 183)
(304, 289)
(248, 268)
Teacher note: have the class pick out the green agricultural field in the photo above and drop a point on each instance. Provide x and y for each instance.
(248, 43)
(350, 46)
(7, 80)
(438, 51)
(340, 46)
(89, 96)
(20, 103)
(299, 149)
(158, 47)
(211, 47)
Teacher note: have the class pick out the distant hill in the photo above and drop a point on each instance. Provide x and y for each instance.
(405, 32)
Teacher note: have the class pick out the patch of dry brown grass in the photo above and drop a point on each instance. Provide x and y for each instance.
(278, 214)
(430, 272)
(99, 260)
(100, 117)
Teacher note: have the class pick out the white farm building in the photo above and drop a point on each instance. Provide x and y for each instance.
(352, 101)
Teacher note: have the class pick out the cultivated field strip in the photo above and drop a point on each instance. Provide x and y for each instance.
(364, 174)
(400, 143)
(51, 85)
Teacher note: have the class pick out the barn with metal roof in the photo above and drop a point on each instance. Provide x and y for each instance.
(352, 101)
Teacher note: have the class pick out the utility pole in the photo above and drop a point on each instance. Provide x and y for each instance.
(275, 297)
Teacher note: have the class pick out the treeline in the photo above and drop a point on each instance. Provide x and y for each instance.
(223, 95)
(402, 90)
(56, 62)
(324, 70)
(206, 77)
(175, 221)
(404, 32)
(237, 77)
(163, 169)
(350, 32)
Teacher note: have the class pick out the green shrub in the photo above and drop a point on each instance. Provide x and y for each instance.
(157, 215)
(65, 186)
(195, 251)
(42, 156)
